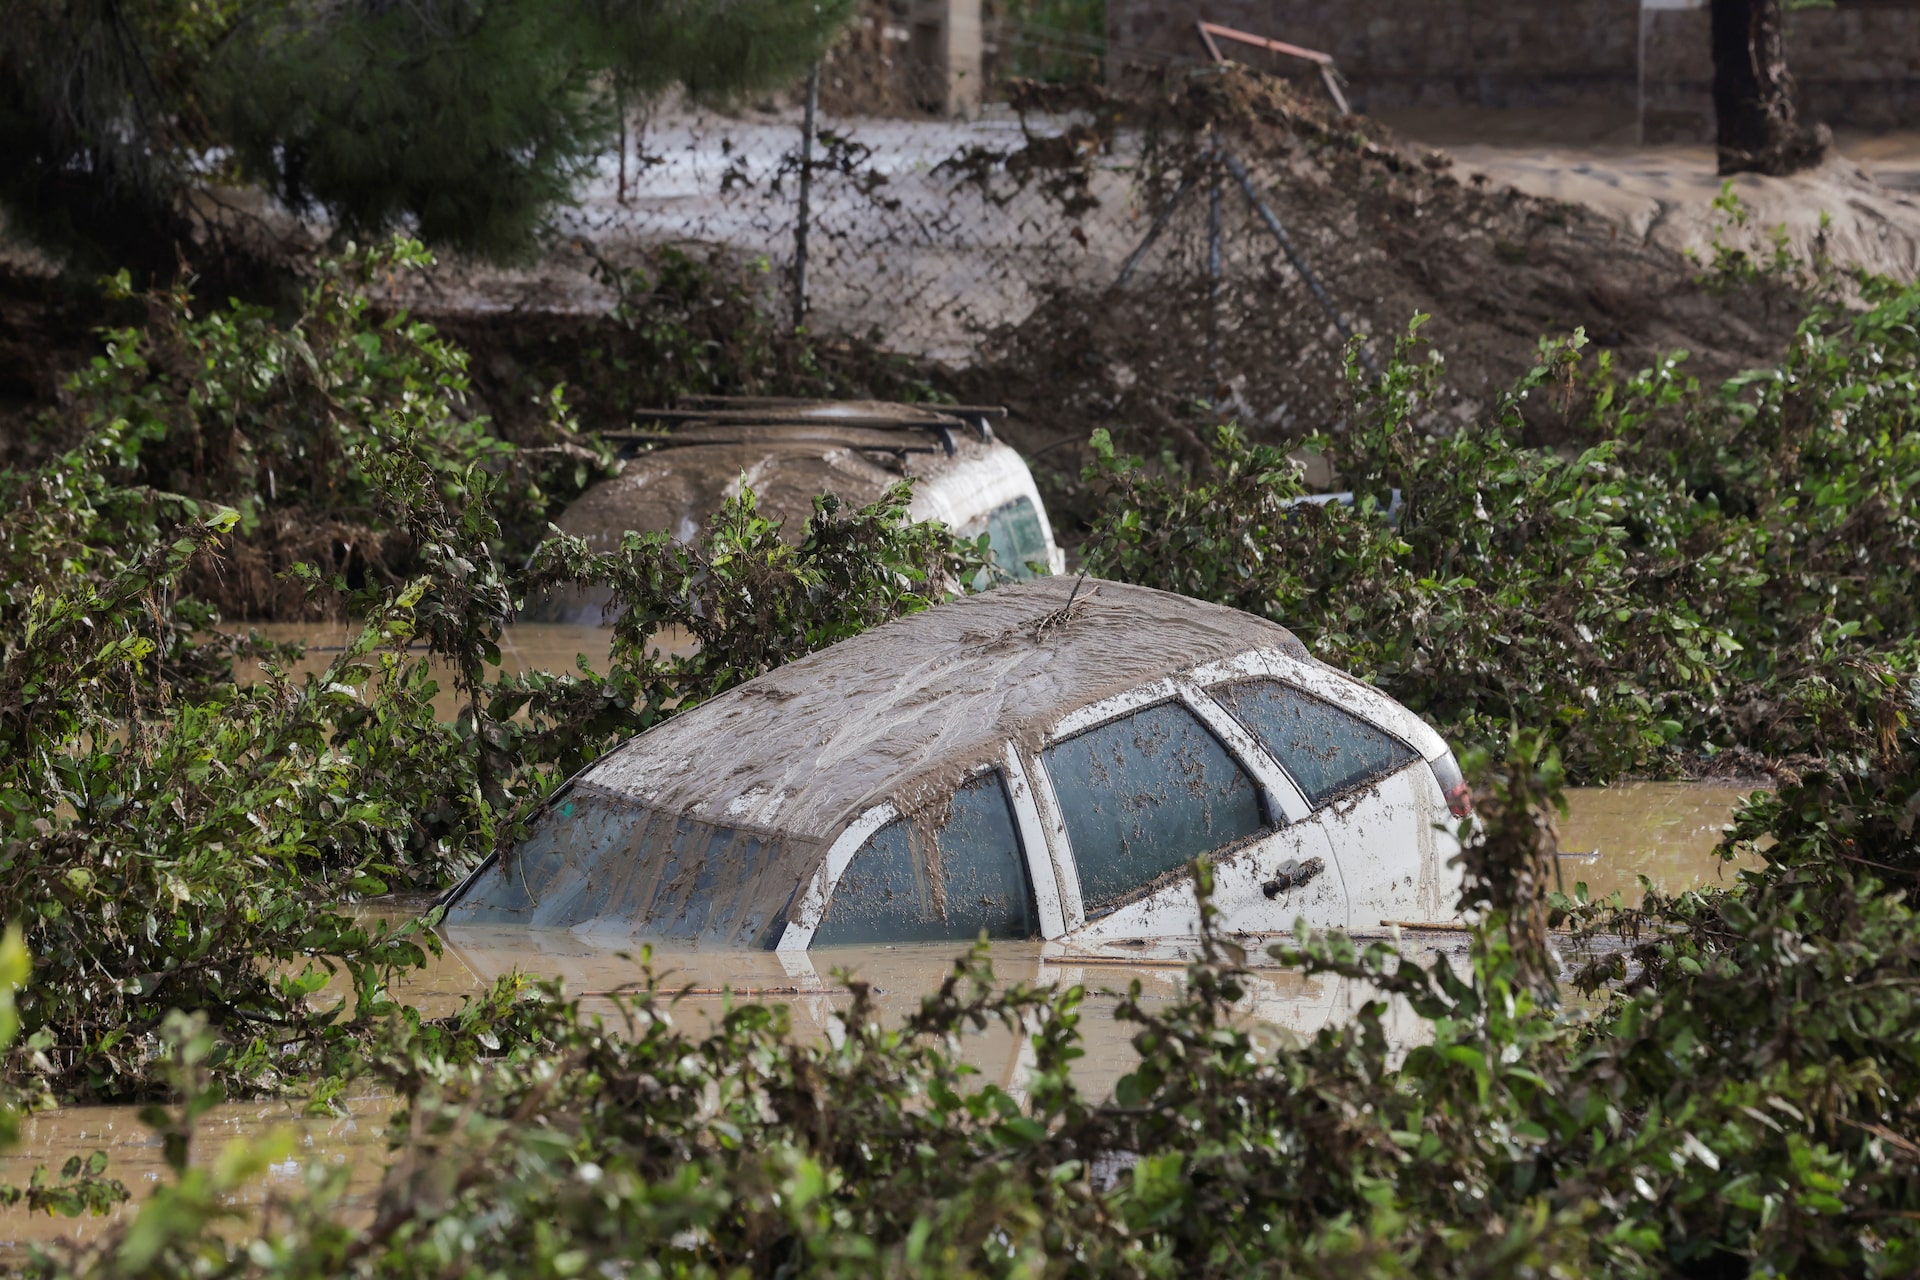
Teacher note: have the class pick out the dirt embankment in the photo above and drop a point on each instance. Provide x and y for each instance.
(1861, 208)
(1392, 229)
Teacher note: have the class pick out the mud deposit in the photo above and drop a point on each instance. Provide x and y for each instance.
(1499, 246)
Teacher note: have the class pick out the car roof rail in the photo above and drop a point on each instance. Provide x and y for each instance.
(787, 412)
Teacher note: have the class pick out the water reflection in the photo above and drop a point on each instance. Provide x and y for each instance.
(815, 986)
(135, 1157)
(1612, 835)
(1665, 831)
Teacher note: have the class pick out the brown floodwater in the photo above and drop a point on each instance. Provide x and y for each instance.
(356, 1141)
(524, 646)
(1610, 837)
(1665, 831)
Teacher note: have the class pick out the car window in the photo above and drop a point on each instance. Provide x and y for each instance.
(591, 856)
(1144, 795)
(903, 887)
(1324, 749)
(548, 874)
(1017, 539)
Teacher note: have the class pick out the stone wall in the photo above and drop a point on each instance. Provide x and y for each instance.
(1857, 65)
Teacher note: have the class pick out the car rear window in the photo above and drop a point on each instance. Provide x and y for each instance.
(972, 876)
(592, 857)
(1327, 751)
(1144, 795)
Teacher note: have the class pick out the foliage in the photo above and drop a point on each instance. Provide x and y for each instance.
(81, 1187)
(1053, 40)
(237, 408)
(170, 846)
(1723, 571)
(1740, 1104)
(467, 121)
(100, 104)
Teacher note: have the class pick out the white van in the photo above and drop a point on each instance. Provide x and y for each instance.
(790, 451)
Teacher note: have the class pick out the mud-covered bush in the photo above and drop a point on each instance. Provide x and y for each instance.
(1721, 572)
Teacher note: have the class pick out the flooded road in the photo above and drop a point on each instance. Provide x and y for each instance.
(1610, 837)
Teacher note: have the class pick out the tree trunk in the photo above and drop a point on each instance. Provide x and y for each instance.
(1759, 131)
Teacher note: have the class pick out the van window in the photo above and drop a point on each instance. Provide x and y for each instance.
(971, 876)
(1143, 796)
(1014, 533)
(1325, 750)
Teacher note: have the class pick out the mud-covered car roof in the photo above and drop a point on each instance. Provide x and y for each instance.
(901, 712)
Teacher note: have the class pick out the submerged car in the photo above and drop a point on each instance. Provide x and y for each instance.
(788, 451)
(1043, 760)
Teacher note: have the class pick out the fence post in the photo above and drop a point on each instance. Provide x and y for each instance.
(1214, 266)
(805, 214)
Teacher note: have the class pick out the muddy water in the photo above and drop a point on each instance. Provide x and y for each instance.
(525, 646)
(1612, 836)
(1665, 831)
(356, 1141)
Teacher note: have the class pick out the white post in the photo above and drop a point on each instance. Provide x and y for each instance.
(948, 42)
(1646, 7)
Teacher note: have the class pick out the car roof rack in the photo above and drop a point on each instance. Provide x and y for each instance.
(804, 416)
(849, 408)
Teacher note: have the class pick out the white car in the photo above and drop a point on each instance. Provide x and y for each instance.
(1042, 760)
(788, 451)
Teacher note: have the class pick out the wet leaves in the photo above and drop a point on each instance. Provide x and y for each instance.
(1719, 572)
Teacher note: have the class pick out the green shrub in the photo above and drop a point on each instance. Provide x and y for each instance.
(236, 408)
(1720, 571)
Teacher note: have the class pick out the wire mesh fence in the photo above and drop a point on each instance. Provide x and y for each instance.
(915, 229)
(940, 237)
(1115, 255)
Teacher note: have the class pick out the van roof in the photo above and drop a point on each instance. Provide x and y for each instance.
(788, 451)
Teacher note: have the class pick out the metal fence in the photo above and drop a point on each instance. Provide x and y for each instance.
(911, 229)
(934, 235)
